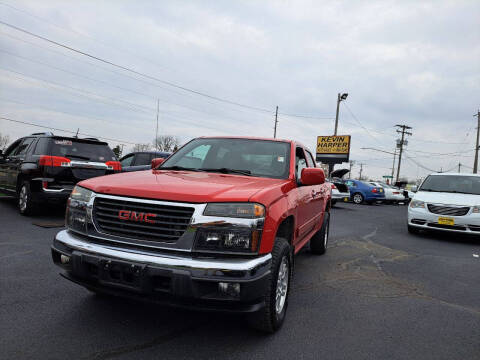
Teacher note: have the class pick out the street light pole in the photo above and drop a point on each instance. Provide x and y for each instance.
(340, 97)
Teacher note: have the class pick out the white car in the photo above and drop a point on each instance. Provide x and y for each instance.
(392, 194)
(340, 190)
(448, 202)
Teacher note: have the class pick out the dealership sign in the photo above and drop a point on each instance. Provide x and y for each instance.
(333, 149)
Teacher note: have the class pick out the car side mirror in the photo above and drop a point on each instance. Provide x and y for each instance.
(157, 162)
(312, 176)
(413, 189)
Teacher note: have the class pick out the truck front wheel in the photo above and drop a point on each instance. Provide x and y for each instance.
(271, 317)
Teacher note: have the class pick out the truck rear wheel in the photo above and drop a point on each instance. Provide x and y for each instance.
(270, 318)
(319, 241)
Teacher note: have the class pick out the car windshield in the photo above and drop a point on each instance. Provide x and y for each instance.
(81, 150)
(452, 184)
(250, 157)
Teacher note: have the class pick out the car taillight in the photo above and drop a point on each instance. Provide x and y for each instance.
(333, 186)
(114, 165)
(46, 160)
(396, 193)
(374, 190)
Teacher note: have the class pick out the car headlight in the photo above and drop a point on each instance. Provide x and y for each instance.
(79, 212)
(235, 210)
(416, 204)
(476, 209)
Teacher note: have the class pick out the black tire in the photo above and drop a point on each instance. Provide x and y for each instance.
(25, 201)
(268, 319)
(413, 230)
(334, 202)
(319, 241)
(358, 198)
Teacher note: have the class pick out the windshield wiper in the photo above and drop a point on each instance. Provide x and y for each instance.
(175, 167)
(228, 171)
(78, 156)
(428, 190)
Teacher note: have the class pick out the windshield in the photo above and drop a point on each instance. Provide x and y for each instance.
(452, 183)
(81, 150)
(261, 158)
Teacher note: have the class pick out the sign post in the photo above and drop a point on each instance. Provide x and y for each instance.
(333, 149)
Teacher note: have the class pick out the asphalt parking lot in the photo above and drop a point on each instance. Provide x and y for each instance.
(378, 293)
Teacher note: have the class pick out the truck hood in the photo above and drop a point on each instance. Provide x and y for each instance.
(447, 198)
(184, 186)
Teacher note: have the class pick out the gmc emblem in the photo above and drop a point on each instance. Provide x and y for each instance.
(136, 216)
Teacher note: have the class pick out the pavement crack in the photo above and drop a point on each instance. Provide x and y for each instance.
(122, 350)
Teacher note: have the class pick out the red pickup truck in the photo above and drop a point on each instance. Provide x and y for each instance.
(215, 226)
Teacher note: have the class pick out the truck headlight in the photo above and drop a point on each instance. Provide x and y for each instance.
(235, 210)
(416, 204)
(228, 240)
(79, 212)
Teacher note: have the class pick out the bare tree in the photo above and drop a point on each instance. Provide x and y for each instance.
(4, 141)
(141, 147)
(166, 143)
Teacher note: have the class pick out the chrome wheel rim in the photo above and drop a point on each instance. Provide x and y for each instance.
(357, 199)
(282, 285)
(23, 198)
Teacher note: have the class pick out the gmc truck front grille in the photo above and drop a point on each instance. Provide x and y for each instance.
(448, 210)
(141, 220)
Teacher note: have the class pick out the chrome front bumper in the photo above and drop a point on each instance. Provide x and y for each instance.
(215, 267)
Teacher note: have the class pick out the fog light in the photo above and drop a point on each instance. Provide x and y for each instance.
(231, 289)
(64, 259)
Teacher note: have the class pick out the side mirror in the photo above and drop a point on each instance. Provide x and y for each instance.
(157, 162)
(413, 189)
(312, 176)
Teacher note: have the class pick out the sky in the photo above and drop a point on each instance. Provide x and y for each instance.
(222, 67)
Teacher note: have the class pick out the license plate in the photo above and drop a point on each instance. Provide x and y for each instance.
(446, 221)
(346, 199)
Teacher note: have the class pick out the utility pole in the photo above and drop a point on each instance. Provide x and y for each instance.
(402, 141)
(156, 129)
(393, 165)
(475, 162)
(352, 162)
(276, 121)
(361, 170)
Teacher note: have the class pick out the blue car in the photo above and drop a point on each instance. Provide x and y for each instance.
(362, 192)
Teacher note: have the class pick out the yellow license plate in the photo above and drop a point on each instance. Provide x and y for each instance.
(446, 221)
(346, 199)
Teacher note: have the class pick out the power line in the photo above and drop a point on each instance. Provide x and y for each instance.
(109, 84)
(135, 71)
(82, 92)
(63, 130)
(168, 83)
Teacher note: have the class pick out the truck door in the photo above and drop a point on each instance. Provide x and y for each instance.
(318, 192)
(306, 206)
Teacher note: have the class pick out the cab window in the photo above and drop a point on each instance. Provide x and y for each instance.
(310, 159)
(300, 162)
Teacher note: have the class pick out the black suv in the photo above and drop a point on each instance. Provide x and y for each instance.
(141, 160)
(43, 167)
